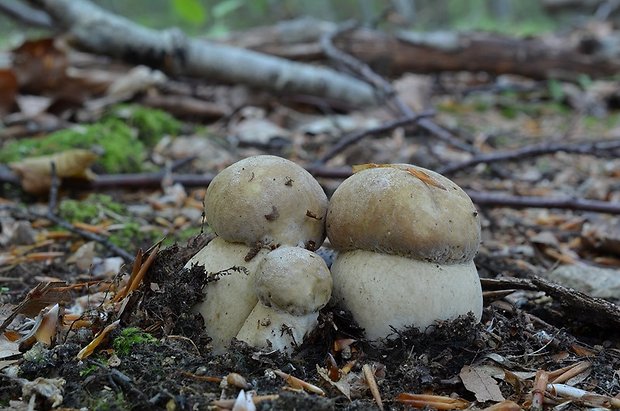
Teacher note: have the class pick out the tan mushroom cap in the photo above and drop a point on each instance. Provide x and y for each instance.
(267, 199)
(294, 280)
(391, 210)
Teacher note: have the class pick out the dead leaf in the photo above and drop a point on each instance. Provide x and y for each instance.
(9, 351)
(425, 178)
(414, 171)
(343, 385)
(36, 172)
(38, 298)
(504, 406)
(478, 380)
(438, 402)
(40, 66)
(8, 91)
(297, 383)
(90, 348)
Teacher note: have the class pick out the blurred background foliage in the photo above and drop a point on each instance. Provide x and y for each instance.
(217, 17)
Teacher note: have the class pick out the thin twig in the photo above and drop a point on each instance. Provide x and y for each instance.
(384, 89)
(596, 148)
(355, 136)
(85, 234)
(483, 198)
(53, 195)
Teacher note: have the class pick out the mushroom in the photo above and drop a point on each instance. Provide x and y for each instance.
(406, 238)
(269, 201)
(253, 206)
(292, 285)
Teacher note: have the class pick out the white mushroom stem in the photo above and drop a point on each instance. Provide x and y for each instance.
(268, 327)
(384, 291)
(292, 285)
(230, 298)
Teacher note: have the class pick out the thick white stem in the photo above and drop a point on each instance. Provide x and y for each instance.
(384, 291)
(230, 298)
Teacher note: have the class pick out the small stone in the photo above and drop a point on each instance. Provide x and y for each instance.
(594, 281)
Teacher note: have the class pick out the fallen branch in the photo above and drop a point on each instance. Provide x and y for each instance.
(25, 15)
(102, 32)
(384, 90)
(576, 304)
(355, 136)
(481, 198)
(435, 52)
(605, 147)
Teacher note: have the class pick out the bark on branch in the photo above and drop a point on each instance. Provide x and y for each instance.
(102, 32)
(432, 52)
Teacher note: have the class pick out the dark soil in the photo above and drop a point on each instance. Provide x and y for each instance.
(179, 370)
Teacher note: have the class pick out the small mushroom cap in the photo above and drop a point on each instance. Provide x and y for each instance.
(404, 210)
(294, 280)
(267, 199)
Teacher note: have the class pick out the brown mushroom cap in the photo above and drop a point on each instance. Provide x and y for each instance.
(294, 280)
(267, 199)
(391, 210)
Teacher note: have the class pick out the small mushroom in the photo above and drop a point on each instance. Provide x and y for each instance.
(253, 205)
(292, 285)
(267, 200)
(406, 238)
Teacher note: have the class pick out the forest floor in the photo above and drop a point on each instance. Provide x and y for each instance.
(550, 269)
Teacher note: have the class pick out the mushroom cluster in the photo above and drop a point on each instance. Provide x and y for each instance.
(406, 238)
(254, 206)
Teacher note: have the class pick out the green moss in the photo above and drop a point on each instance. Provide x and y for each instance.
(151, 124)
(122, 136)
(122, 151)
(108, 400)
(132, 236)
(130, 337)
(91, 210)
(88, 370)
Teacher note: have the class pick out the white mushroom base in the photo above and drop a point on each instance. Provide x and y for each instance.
(229, 300)
(267, 327)
(383, 290)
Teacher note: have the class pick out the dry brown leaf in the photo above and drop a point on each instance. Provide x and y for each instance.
(36, 172)
(92, 346)
(504, 406)
(479, 381)
(343, 385)
(38, 298)
(434, 401)
(297, 383)
(8, 91)
(39, 65)
(414, 171)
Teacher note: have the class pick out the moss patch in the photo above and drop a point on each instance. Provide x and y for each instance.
(131, 236)
(123, 137)
(151, 124)
(122, 151)
(124, 343)
(91, 210)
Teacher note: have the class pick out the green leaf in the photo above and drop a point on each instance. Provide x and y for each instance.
(224, 8)
(555, 90)
(191, 11)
